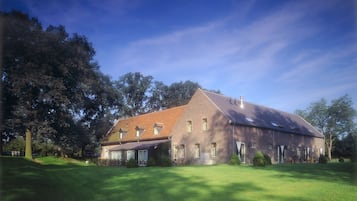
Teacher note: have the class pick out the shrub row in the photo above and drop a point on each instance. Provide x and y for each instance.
(261, 159)
(164, 162)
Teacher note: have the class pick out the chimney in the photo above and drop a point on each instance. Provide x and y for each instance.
(241, 102)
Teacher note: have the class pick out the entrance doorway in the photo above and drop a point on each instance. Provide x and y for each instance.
(281, 153)
(241, 151)
(142, 157)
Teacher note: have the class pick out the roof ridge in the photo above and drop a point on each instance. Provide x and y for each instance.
(140, 115)
(256, 104)
(206, 91)
(154, 112)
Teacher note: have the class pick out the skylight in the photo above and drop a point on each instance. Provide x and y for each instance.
(276, 125)
(249, 119)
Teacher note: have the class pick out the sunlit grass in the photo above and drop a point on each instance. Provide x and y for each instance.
(56, 180)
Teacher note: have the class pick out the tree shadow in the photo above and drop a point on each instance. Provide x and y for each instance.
(336, 172)
(25, 180)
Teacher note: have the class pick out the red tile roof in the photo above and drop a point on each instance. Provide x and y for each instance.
(165, 119)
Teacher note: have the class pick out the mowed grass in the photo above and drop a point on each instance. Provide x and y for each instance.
(56, 179)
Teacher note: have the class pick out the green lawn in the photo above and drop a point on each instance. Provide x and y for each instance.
(68, 180)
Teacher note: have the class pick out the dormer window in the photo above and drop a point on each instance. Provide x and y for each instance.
(122, 133)
(157, 128)
(138, 131)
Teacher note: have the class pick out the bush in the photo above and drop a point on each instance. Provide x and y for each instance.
(267, 159)
(341, 160)
(259, 159)
(131, 163)
(323, 159)
(151, 162)
(165, 162)
(234, 160)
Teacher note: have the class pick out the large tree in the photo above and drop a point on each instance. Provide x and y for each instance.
(134, 88)
(179, 93)
(333, 121)
(50, 81)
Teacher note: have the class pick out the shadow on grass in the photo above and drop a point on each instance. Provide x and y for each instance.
(336, 172)
(25, 180)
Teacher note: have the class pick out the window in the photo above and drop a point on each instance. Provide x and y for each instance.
(189, 126)
(122, 133)
(157, 128)
(213, 150)
(115, 155)
(204, 124)
(197, 150)
(253, 145)
(276, 125)
(142, 157)
(139, 131)
(175, 152)
(270, 146)
(249, 119)
(181, 151)
(130, 154)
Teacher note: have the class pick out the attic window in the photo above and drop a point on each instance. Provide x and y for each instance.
(294, 128)
(157, 128)
(139, 131)
(122, 133)
(274, 124)
(249, 119)
(277, 125)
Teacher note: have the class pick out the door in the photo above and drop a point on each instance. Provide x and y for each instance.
(281, 153)
(142, 157)
(241, 151)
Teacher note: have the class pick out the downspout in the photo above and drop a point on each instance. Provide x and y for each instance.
(233, 143)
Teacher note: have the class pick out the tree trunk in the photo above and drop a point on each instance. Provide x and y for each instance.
(328, 142)
(1, 144)
(28, 148)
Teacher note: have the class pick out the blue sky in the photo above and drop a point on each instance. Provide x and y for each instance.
(282, 54)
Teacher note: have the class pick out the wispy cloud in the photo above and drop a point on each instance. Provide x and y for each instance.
(295, 50)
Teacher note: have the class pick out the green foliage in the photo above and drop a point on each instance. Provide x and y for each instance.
(132, 163)
(165, 161)
(141, 94)
(259, 159)
(334, 120)
(151, 162)
(267, 159)
(323, 159)
(51, 85)
(179, 93)
(17, 144)
(341, 160)
(234, 160)
(199, 183)
(133, 88)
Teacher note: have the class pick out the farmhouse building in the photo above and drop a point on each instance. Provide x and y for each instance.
(209, 129)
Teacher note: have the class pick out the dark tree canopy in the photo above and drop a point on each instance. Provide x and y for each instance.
(50, 82)
(52, 87)
(141, 94)
(335, 121)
